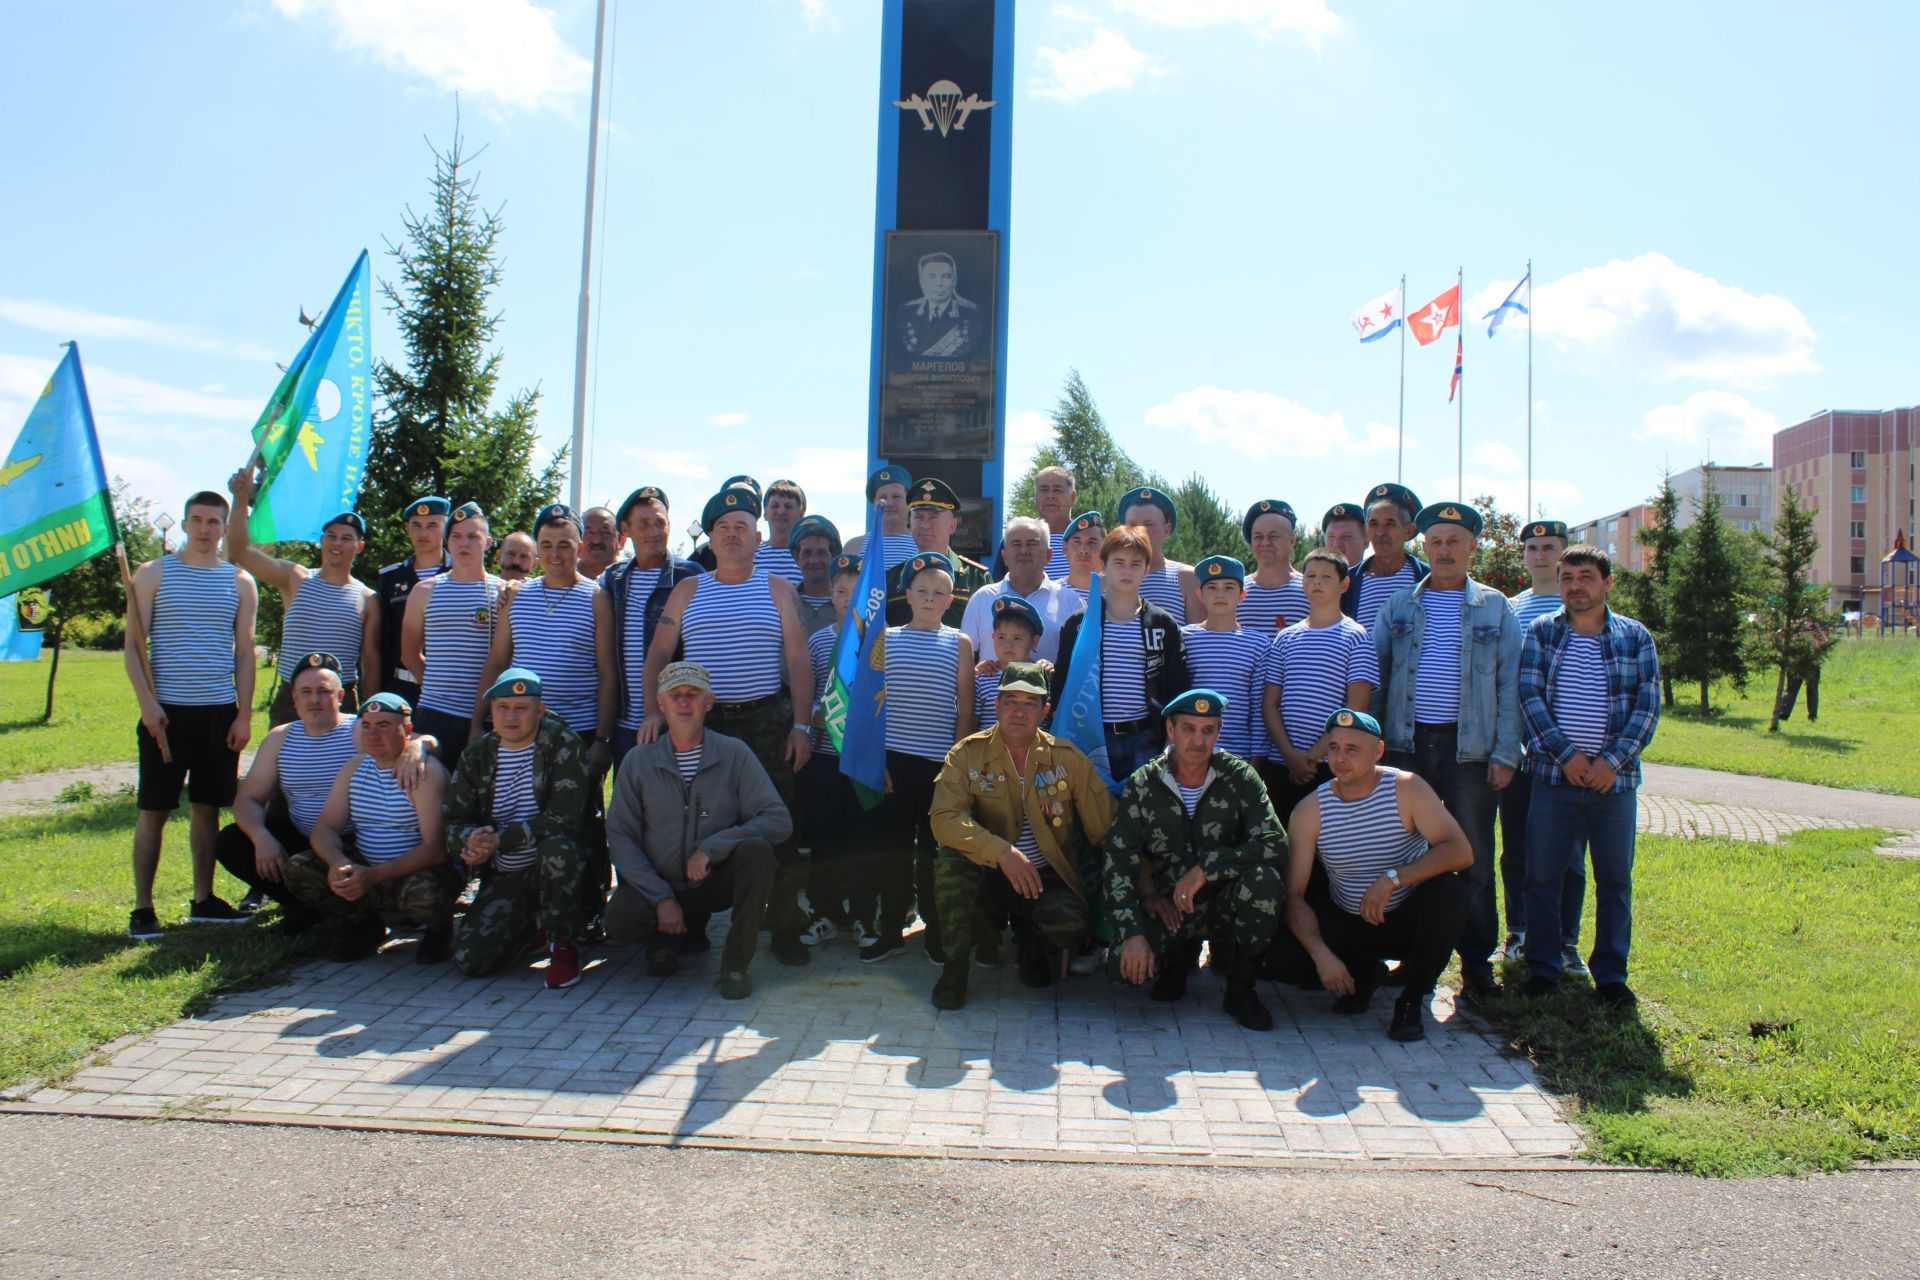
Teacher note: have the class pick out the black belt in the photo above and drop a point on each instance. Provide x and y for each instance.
(1119, 727)
(741, 708)
(1451, 726)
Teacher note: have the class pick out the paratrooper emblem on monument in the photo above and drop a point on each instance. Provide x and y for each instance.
(943, 108)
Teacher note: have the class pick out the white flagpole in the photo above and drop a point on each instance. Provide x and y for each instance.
(1528, 513)
(1400, 425)
(576, 482)
(1460, 408)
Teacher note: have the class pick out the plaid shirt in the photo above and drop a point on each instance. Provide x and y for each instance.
(1633, 696)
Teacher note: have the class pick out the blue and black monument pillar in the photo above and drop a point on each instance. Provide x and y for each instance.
(938, 389)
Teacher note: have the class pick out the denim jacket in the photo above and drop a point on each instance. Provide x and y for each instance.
(1489, 667)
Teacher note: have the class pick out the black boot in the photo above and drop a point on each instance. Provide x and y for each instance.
(950, 990)
(436, 945)
(1036, 960)
(1242, 1001)
(1407, 1023)
(1170, 983)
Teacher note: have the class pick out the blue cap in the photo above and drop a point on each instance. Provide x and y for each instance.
(514, 682)
(845, 562)
(1148, 494)
(645, 493)
(907, 570)
(726, 502)
(427, 506)
(1011, 608)
(386, 701)
(351, 519)
(887, 475)
(814, 527)
(1197, 702)
(748, 481)
(1450, 513)
(1267, 507)
(464, 512)
(1219, 569)
(1545, 529)
(1347, 719)
(556, 513)
(1409, 500)
(1345, 511)
(1084, 521)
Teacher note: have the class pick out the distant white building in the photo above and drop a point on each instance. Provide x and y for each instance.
(1746, 494)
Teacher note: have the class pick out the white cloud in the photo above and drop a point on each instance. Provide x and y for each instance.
(690, 464)
(1107, 62)
(1027, 431)
(1258, 425)
(503, 53)
(1309, 21)
(71, 322)
(1495, 467)
(730, 419)
(1738, 429)
(1652, 315)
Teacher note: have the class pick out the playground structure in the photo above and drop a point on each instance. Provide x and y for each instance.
(1899, 589)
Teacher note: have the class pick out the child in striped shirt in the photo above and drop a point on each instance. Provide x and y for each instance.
(1016, 629)
(1224, 656)
(1314, 668)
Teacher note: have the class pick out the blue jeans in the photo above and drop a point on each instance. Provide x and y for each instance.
(1563, 817)
(1128, 751)
(1513, 866)
(1463, 788)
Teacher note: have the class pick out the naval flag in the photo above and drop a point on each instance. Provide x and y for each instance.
(1380, 317)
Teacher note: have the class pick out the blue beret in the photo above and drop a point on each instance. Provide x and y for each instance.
(1196, 702)
(1344, 511)
(887, 475)
(907, 570)
(318, 661)
(814, 527)
(351, 519)
(645, 493)
(556, 513)
(427, 506)
(1018, 608)
(1148, 494)
(1449, 513)
(1084, 521)
(514, 682)
(387, 701)
(1267, 507)
(748, 481)
(466, 511)
(1545, 529)
(1407, 498)
(845, 562)
(727, 501)
(1345, 719)
(1219, 569)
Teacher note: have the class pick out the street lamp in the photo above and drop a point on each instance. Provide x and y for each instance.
(165, 521)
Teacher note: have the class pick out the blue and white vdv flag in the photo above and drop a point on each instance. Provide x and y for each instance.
(1519, 302)
(1081, 717)
(854, 702)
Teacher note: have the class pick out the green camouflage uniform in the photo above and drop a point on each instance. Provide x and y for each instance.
(502, 919)
(1233, 835)
(422, 900)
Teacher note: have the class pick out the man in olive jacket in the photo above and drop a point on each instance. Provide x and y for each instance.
(692, 829)
(1010, 808)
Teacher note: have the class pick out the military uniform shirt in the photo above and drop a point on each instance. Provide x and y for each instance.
(323, 618)
(922, 668)
(986, 700)
(777, 561)
(1312, 667)
(733, 630)
(820, 658)
(385, 823)
(1360, 839)
(688, 763)
(1529, 605)
(456, 634)
(633, 643)
(1580, 694)
(1123, 670)
(307, 766)
(553, 634)
(1162, 587)
(1057, 563)
(190, 633)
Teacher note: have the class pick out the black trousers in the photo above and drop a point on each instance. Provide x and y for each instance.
(1284, 791)
(833, 828)
(233, 849)
(901, 855)
(1420, 933)
(452, 731)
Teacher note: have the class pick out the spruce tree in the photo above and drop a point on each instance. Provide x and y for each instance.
(1795, 617)
(435, 430)
(1082, 444)
(1649, 602)
(1704, 601)
(1207, 527)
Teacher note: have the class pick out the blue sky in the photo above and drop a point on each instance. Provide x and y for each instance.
(1714, 195)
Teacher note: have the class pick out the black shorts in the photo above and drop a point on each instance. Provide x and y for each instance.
(197, 739)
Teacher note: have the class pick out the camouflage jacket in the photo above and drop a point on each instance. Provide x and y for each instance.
(1153, 842)
(561, 787)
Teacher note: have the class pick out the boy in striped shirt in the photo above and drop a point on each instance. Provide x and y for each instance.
(1016, 629)
(1318, 665)
(1225, 656)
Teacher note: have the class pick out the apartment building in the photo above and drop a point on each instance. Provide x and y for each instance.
(1856, 468)
(1614, 535)
(1746, 494)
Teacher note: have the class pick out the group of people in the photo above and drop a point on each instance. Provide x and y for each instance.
(1302, 767)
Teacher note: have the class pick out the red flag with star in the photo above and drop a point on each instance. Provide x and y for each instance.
(1459, 353)
(1438, 316)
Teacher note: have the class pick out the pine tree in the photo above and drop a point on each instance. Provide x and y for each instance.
(1704, 601)
(435, 430)
(1082, 444)
(1795, 618)
(1207, 527)
(1649, 600)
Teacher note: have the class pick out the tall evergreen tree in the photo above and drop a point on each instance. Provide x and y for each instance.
(1649, 602)
(1704, 601)
(435, 430)
(1207, 527)
(1083, 445)
(1795, 618)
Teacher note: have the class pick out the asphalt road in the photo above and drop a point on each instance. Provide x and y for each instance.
(122, 1198)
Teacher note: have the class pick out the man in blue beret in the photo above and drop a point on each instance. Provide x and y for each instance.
(1169, 584)
(637, 590)
(783, 505)
(518, 811)
(813, 542)
(1275, 596)
(1391, 509)
(1392, 854)
(426, 522)
(1448, 701)
(1344, 529)
(888, 487)
(1169, 886)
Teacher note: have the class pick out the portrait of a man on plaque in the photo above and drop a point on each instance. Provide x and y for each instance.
(941, 322)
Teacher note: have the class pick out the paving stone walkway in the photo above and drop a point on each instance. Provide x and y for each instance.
(836, 1056)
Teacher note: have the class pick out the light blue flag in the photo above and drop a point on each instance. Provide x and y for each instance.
(1080, 718)
(22, 617)
(312, 437)
(54, 509)
(854, 705)
(1519, 302)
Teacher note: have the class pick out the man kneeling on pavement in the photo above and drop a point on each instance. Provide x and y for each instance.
(1195, 853)
(1010, 808)
(517, 814)
(692, 830)
(379, 855)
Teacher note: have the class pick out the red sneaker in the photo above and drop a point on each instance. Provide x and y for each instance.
(563, 965)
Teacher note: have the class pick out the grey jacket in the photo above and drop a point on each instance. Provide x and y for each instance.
(656, 821)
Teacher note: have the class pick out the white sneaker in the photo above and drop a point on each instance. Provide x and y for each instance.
(1570, 961)
(821, 930)
(1087, 962)
(867, 936)
(1514, 948)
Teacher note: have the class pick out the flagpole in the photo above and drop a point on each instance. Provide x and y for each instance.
(1400, 424)
(1528, 513)
(1460, 409)
(576, 482)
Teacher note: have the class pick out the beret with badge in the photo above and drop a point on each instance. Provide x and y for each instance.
(1347, 719)
(1449, 513)
(726, 502)
(1219, 569)
(1545, 529)
(427, 506)
(1150, 496)
(887, 475)
(514, 682)
(1012, 608)
(1196, 702)
(814, 527)
(1405, 498)
(1267, 507)
(907, 570)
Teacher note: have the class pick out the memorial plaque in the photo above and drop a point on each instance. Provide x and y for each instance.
(941, 332)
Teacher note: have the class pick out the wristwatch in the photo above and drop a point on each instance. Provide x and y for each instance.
(802, 728)
(1393, 874)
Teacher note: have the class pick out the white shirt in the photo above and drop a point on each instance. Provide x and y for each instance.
(1053, 600)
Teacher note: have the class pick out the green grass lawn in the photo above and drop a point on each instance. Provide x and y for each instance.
(1779, 1030)
(94, 713)
(1869, 711)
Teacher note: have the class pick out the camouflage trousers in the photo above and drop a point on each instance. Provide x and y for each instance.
(1243, 912)
(422, 900)
(765, 725)
(510, 905)
(970, 895)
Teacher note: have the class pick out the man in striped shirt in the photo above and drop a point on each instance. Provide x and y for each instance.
(887, 488)
(1169, 584)
(1590, 692)
(637, 590)
(1391, 511)
(814, 542)
(1275, 596)
(1318, 665)
(518, 810)
(1392, 854)
(600, 541)
(324, 611)
(426, 521)
(1344, 529)
(784, 505)
(1054, 494)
